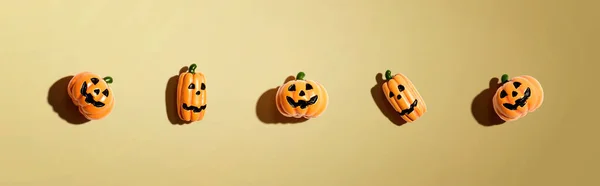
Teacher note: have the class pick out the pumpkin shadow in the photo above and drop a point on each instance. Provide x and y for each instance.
(382, 103)
(266, 108)
(61, 103)
(482, 107)
(171, 99)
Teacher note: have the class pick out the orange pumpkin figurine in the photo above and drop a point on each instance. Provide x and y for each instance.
(191, 95)
(92, 95)
(301, 98)
(517, 97)
(403, 96)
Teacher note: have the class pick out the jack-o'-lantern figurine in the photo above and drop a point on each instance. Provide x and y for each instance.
(517, 97)
(191, 95)
(92, 95)
(403, 96)
(301, 98)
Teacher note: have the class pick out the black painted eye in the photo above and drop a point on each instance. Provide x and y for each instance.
(202, 86)
(309, 87)
(192, 86)
(517, 84)
(97, 91)
(399, 96)
(391, 94)
(503, 94)
(292, 87)
(400, 88)
(95, 80)
(514, 93)
(105, 92)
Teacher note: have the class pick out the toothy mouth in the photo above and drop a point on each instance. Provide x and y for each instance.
(193, 108)
(519, 102)
(302, 103)
(89, 98)
(411, 109)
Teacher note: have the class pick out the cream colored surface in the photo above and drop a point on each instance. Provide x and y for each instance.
(449, 49)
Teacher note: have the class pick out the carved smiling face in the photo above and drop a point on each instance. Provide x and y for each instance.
(403, 96)
(517, 96)
(301, 98)
(91, 94)
(191, 95)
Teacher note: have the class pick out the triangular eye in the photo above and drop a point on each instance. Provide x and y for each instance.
(292, 87)
(309, 87)
(191, 86)
(95, 80)
(391, 94)
(400, 88)
(202, 86)
(105, 92)
(503, 94)
(517, 84)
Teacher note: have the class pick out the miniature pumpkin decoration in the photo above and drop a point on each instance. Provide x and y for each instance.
(92, 95)
(301, 98)
(191, 95)
(403, 96)
(517, 97)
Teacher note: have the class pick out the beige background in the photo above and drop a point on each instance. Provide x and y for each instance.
(449, 49)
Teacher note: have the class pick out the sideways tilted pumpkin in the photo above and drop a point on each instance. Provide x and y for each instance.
(517, 97)
(403, 96)
(92, 95)
(191, 95)
(301, 98)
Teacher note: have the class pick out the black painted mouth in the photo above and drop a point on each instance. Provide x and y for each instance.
(411, 109)
(193, 108)
(519, 102)
(302, 103)
(88, 97)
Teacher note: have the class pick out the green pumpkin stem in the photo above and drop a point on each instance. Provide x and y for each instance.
(108, 79)
(192, 68)
(388, 75)
(504, 78)
(300, 76)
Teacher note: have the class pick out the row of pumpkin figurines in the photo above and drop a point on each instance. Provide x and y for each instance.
(302, 98)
